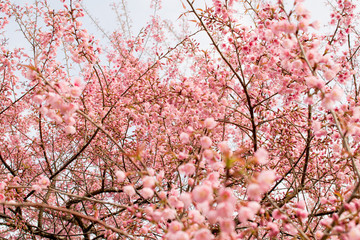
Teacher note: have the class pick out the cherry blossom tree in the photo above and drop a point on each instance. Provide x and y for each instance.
(153, 136)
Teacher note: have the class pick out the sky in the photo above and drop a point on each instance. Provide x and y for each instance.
(140, 13)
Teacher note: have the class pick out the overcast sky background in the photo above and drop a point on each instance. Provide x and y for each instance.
(140, 14)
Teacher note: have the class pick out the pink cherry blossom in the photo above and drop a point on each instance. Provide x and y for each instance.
(315, 82)
(203, 234)
(129, 190)
(147, 193)
(354, 233)
(180, 235)
(175, 226)
(184, 138)
(156, 134)
(148, 181)
(210, 123)
(44, 182)
(261, 156)
(205, 142)
(187, 169)
(202, 193)
(70, 130)
(120, 175)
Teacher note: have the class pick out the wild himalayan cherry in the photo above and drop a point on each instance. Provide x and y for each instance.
(116, 134)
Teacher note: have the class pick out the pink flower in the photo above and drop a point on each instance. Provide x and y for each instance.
(184, 138)
(196, 216)
(261, 156)
(225, 195)
(44, 182)
(208, 154)
(336, 93)
(254, 191)
(31, 75)
(210, 123)
(70, 130)
(120, 175)
(254, 206)
(175, 202)
(316, 126)
(302, 214)
(202, 193)
(249, 212)
(266, 178)
(224, 149)
(180, 235)
(245, 214)
(354, 233)
(278, 215)
(288, 43)
(212, 216)
(38, 99)
(169, 213)
(328, 75)
(69, 120)
(147, 193)
(183, 155)
(315, 82)
(274, 229)
(148, 182)
(187, 169)
(157, 216)
(227, 225)
(320, 233)
(37, 188)
(185, 197)
(203, 234)
(330, 98)
(75, 92)
(301, 204)
(301, 10)
(225, 210)
(290, 229)
(2, 186)
(78, 82)
(129, 190)
(175, 226)
(205, 142)
(297, 64)
(326, 222)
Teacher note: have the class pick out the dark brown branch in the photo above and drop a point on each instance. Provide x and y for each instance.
(7, 166)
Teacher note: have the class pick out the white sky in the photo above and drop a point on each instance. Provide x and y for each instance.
(140, 12)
